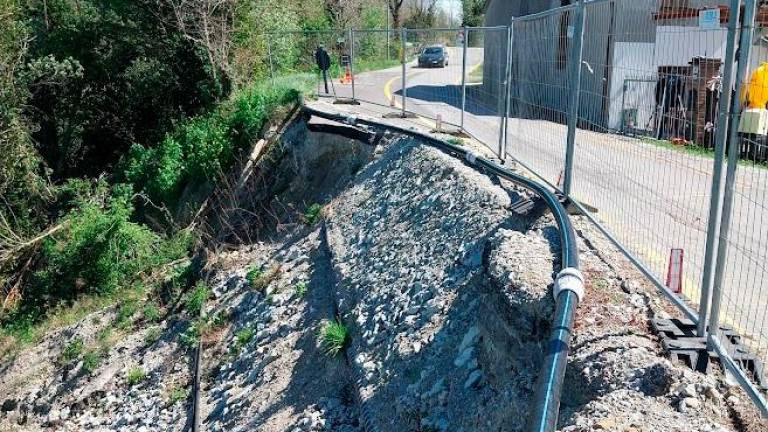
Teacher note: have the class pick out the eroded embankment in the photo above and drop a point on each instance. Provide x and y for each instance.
(442, 276)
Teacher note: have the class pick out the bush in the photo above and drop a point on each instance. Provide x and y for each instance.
(177, 395)
(152, 336)
(243, 336)
(200, 148)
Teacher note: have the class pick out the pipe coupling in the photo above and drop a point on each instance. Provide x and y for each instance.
(350, 120)
(569, 279)
(471, 157)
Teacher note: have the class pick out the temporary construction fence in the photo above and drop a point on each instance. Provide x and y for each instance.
(649, 115)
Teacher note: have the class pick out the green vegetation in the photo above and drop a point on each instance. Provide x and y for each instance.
(115, 125)
(455, 141)
(191, 336)
(333, 338)
(135, 376)
(92, 360)
(152, 335)
(696, 150)
(243, 336)
(259, 278)
(177, 395)
(301, 289)
(196, 299)
(254, 275)
(72, 350)
(151, 312)
(313, 214)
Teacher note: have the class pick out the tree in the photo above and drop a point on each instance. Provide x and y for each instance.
(395, 7)
(472, 12)
(208, 24)
(423, 13)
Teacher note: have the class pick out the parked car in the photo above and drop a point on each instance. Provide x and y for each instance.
(434, 55)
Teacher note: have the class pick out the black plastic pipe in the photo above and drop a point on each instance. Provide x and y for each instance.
(568, 284)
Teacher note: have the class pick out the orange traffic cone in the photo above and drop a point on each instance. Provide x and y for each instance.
(347, 78)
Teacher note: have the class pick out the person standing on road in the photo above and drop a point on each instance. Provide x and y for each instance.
(324, 63)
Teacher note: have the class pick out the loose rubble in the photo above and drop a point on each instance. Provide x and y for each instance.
(446, 294)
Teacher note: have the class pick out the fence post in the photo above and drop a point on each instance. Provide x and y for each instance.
(508, 93)
(745, 43)
(715, 195)
(352, 59)
(465, 32)
(573, 109)
(402, 61)
(505, 103)
(269, 56)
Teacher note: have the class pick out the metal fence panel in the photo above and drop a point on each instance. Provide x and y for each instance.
(540, 62)
(652, 192)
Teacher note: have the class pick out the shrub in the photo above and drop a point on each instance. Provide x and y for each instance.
(196, 299)
(334, 338)
(205, 145)
(125, 311)
(260, 279)
(135, 376)
(253, 275)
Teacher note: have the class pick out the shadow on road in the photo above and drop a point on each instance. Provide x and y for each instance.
(478, 101)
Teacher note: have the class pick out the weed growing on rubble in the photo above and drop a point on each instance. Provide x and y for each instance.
(333, 338)
(197, 299)
(135, 376)
(301, 289)
(73, 350)
(312, 215)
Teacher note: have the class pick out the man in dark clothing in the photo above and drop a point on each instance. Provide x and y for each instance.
(323, 62)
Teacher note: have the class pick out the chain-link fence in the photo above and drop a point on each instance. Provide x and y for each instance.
(625, 107)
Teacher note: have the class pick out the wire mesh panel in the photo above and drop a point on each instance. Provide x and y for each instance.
(433, 74)
(540, 67)
(292, 52)
(485, 75)
(742, 281)
(650, 67)
(376, 64)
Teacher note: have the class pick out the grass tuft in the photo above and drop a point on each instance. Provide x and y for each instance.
(135, 376)
(177, 395)
(197, 298)
(92, 360)
(73, 350)
(301, 289)
(313, 214)
(334, 338)
(259, 279)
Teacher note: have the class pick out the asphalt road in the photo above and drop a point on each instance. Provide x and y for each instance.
(652, 198)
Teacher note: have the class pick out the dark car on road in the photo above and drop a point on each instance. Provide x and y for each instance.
(434, 55)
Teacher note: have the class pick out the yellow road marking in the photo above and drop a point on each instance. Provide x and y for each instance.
(390, 97)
